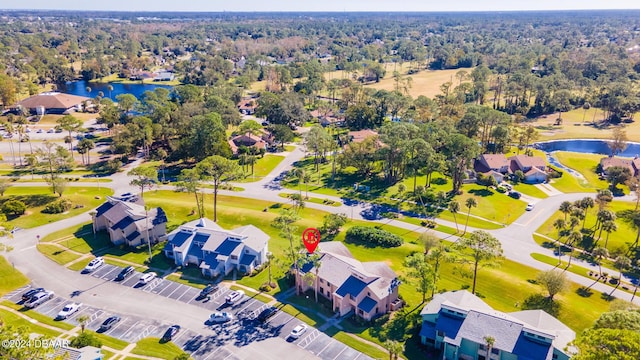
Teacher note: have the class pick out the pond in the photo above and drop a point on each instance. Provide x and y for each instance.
(589, 146)
(80, 88)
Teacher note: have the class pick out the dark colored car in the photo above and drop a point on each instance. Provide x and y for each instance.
(26, 296)
(107, 324)
(267, 314)
(209, 289)
(515, 194)
(170, 333)
(125, 273)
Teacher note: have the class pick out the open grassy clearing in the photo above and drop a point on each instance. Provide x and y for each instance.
(10, 318)
(573, 126)
(586, 165)
(37, 316)
(617, 239)
(10, 278)
(153, 347)
(262, 167)
(57, 253)
(37, 197)
(313, 200)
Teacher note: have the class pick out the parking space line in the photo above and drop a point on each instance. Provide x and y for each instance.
(223, 290)
(115, 327)
(324, 348)
(108, 275)
(95, 315)
(185, 293)
(251, 303)
(176, 289)
(212, 353)
(152, 285)
(343, 349)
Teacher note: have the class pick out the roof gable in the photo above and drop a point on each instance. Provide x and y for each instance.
(353, 286)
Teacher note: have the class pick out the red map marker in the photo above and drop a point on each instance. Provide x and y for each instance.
(311, 239)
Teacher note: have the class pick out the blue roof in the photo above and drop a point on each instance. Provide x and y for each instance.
(227, 247)
(367, 304)
(449, 325)
(352, 286)
(180, 237)
(103, 208)
(247, 259)
(122, 224)
(428, 330)
(195, 251)
(210, 259)
(168, 247)
(202, 238)
(529, 350)
(161, 217)
(133, 235)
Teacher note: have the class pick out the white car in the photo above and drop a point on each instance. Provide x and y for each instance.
(146, 278)
(298, 330)
(530, 206)
(39, 298)
(68, 310)
(233, 297)
(220, 317)
(94, 264)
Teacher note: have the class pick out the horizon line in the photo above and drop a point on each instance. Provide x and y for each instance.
(328, 11)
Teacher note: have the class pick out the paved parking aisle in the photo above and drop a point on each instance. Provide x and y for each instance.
(102, 270)
(167, 290)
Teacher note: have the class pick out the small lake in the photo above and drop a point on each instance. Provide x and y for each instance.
(80, 88)
(589, 146)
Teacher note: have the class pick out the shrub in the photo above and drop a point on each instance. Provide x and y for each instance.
(85, 339)
(372, 237)
(14, 207)
(58, 207)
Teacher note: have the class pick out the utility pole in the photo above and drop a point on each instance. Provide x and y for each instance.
(146, 212)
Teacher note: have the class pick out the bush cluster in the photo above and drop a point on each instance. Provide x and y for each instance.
(372, 237)
(58, 207)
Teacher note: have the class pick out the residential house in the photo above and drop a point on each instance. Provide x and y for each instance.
(533, 167)
(127, 222)
(85, 353)
(53, 103)
(328, 119)
(164, 75)
(263, 141)
(458, 322)
(217, 251)
(368, 289)
(610, 161)
(247, 106)
(494, 165)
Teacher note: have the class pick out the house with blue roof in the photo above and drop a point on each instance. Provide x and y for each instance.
(457, 323)
(368, 289)
(217, 251)
(127, 222)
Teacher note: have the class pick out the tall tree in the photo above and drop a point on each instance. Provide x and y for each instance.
(483, 247)
(621, 263)
(70, 124)
(218, 170)
(419, 269)
(145, 178)
(189, 181)
(565, 208)
(553, 281)
(618, 141)
(459, 151)
(284, 223)
(469, 203)
(453, 208)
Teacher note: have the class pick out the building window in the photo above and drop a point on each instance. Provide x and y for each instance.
(234, 257)
(440, 333)
(495, 351)
(321, 290)
(483, 347)
(246, 251)
(321, 281)
(351, 297)
(328, 293)
(555, 356)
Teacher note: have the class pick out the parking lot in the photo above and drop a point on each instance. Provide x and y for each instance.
(219, 343)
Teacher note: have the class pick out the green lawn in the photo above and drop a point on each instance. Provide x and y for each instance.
(313, 200)
(360, 346)
(262, 167)
(37, 197)
(109, 341)
(37, 316)
(10, 278)
(10, 318)
(153, 347)
(586, 165)
(57, 254)
(530, 190)
(617, 239)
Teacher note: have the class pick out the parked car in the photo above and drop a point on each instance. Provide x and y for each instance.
(93, 264)
(220, 317)
(108, 324)
(146, 278)
(171, 332)
(39, 298)
(209, 289)
(125, 273)
(515, 194)
(530, 206)
(298, 330)
(68, 310)
(51, 131)
(40, 131)
(29, 294)
(267, 314)
(234, 296)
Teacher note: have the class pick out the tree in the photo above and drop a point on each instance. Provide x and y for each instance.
(205, 137)
(281, 133)
(83, 320)
(70, 124)
(318, 141)
(489, 342)
(126, 102)
(332, 223)
(471, 202)
(559, 225)
(4, 185)
(615, 335)
(394, 348)
(218, 170)
(84, 147)
(459, 151)
(145, 177)
(437, 256)
(483, 246)
(631, 217)
(85, 339)
(419, 269)
(284, 223)
(600, 253)
(621, 263)
(189, 181)
(618, 175)
(454, 207)
(428, 241)
(59, 185)
(553, 281)
(21, 335)
(183, 356)
(618, 141)
(14, 207)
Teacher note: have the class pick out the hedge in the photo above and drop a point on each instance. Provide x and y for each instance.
(372, 237)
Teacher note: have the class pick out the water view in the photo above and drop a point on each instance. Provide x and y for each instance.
(80, 88)
(589, 146)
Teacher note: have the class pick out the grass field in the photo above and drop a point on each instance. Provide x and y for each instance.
(10, 278)
(37, 197)
(153, 347)
(573, 127)
(586, 165)
(262, 167)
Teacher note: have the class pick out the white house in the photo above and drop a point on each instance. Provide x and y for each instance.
(217, 251)
(368, 289)
(457, 323)
(127, 222)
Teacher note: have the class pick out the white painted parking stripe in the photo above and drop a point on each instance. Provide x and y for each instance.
(251, 303)
(212, 353)
(174, 290)
(117, 325)
(343, 349)
(323, 349)
(109, 274)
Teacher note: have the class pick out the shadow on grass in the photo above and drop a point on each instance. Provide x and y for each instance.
(481, 192)
(584, 292)
(539, 302)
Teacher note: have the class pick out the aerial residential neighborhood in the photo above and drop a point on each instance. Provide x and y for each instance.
(355, 181)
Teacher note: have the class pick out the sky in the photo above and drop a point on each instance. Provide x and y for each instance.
(320, 5)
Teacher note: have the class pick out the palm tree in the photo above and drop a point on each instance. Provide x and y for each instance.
(489, 342)
(565, 208)
(270, 258)
(471, 202)
(454, 207)
(82, 320)
(394, 348)
(586, 204)
(559, 225)
(609, 227)
(622, 263)
(600, 253)
(110, 88)
(574, 238)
